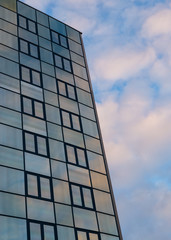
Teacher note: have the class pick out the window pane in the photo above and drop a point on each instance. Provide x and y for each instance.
(40, 210)
(49, 83)
(63, 214)
(84, 97)
(36, 78)
(25, 72)
(24, 46)
(82, 84)
(68, 104)
(61, 191)
(61, 50)
(31, 91)
(9, 83)
(56, 150)
(34, 51)
(82, 235)
(51, 98)
(45, 188)
(67, 65)
(63, 41)
(93, 144)
(59, 170)
(96, 162)
(71, 92)
(10, 100)
(65, 233)
(64, 76)
(55, 37)
(79, 175)
(73, 34)
(54, 131)
(99, 181)
(103, 202)
(27, 106)
(12, 228)
(87, 112)
(62, 88)
(35, 232)
(87, 198)
(34, 125)
(75, 47)
(108, 237)
(76, 195)
(32, 185)
(90, 127)
(57, 26)
(27, 11)
(93, 236)
(49, 232)
(29, 142)
(81, 157)
(107, 224)
(9, 67)
(52, 114)
(66, 119)
(42, 18)
(58, 61)
(85, 219)
(11, 180)
(31, 26)
(76, 122)
(10, 117)
(42, 146)
(38, 107)
(46, 56)
(71, 154)
(13, 205)
(73, 137)
(77, 58)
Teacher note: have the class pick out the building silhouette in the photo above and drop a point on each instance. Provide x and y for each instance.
(54, 179)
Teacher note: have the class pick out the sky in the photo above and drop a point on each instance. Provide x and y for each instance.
(128, 47)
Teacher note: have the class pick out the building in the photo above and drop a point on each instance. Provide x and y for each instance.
(54, 180)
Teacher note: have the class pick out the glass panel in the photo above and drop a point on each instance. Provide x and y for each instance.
(96, 162)
(55, 37)
(40, 210)
(22, 22)
(62, 88)
(71, 92)
(52, 114)
(28, 36)
(61, 51)
(76, 195)
(35, 231)
(57, 26)
(82, 84)
(71, 154)
(63, 214)
(67, 65)
(54, 131)
(68, 105)
(108, 237)
(93, 236)
(25, 73)
(27, 106)
(49, 232)
(12, 228)
(36, 78)
(32, 185)
(73, 137)
(26, 11)
(10, 100)
(56, 150)
(82, 235)
(49, 83)
(11, 180)
(48, 69)
(107, 224)
(13, 205)
(76, 122)
(42, 146)
(103, 202)
(34, 51)
(93, 144)
(99, 181)
(11, 157)
(59, 170)
(29, 61)
(77, 58)
(34, 125)
(63, 41)
(61, 191)
(46, 56)
(85, 219)
(79, 175)
(81, 157)
(89, 127)
(8, 15)
(8, 40)
(45, 43)
(66, 119)
(8, 26)
(11, 137)
(24, 46)
(38, 107)
(64, 76)
(73, 34)
(29, 142)
(84, 97)
(45, 188)
(58, 61)
(9, 83)
(51, 98)
(75, 47)
(87, 198)
(43, 32)
(37, 164)
(8, 53)
(42, 18)
(31, 26)
(10, 117)
(65, 233)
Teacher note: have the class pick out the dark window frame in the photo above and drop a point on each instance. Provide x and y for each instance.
(63, 65)
(59, 39)
(27, 24)
(29, 44)
(67, 91)
(71, 120)
(31, 76)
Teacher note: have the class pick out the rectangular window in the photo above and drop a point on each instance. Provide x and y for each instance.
(33, 107)
(76, 155)
(82, 196)
(71, 120)
(27, 24)
(59, 39)
(87, 235)
(63, 63)
(31, 76)
(39, 186)
(29, 48)
(66, 90)
(35, 144)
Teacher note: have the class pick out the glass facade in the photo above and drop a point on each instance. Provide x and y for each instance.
(54, 180)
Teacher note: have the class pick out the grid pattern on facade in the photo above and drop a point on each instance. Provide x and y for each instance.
(53, 180)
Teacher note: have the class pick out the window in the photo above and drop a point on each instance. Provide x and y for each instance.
(37, 231)
(66, 90)
(82, 196)
(33, 107)
(39, 186)
(31, 76)
(63, 63)
(35, 144)
(87, 235)
(71, 120)
(76, 155)
(27, 24)
(59, 39)
(29, 48)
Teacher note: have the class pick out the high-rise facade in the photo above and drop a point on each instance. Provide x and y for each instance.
(54, 180)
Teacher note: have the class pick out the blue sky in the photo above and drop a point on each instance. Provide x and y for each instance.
(128, 46)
